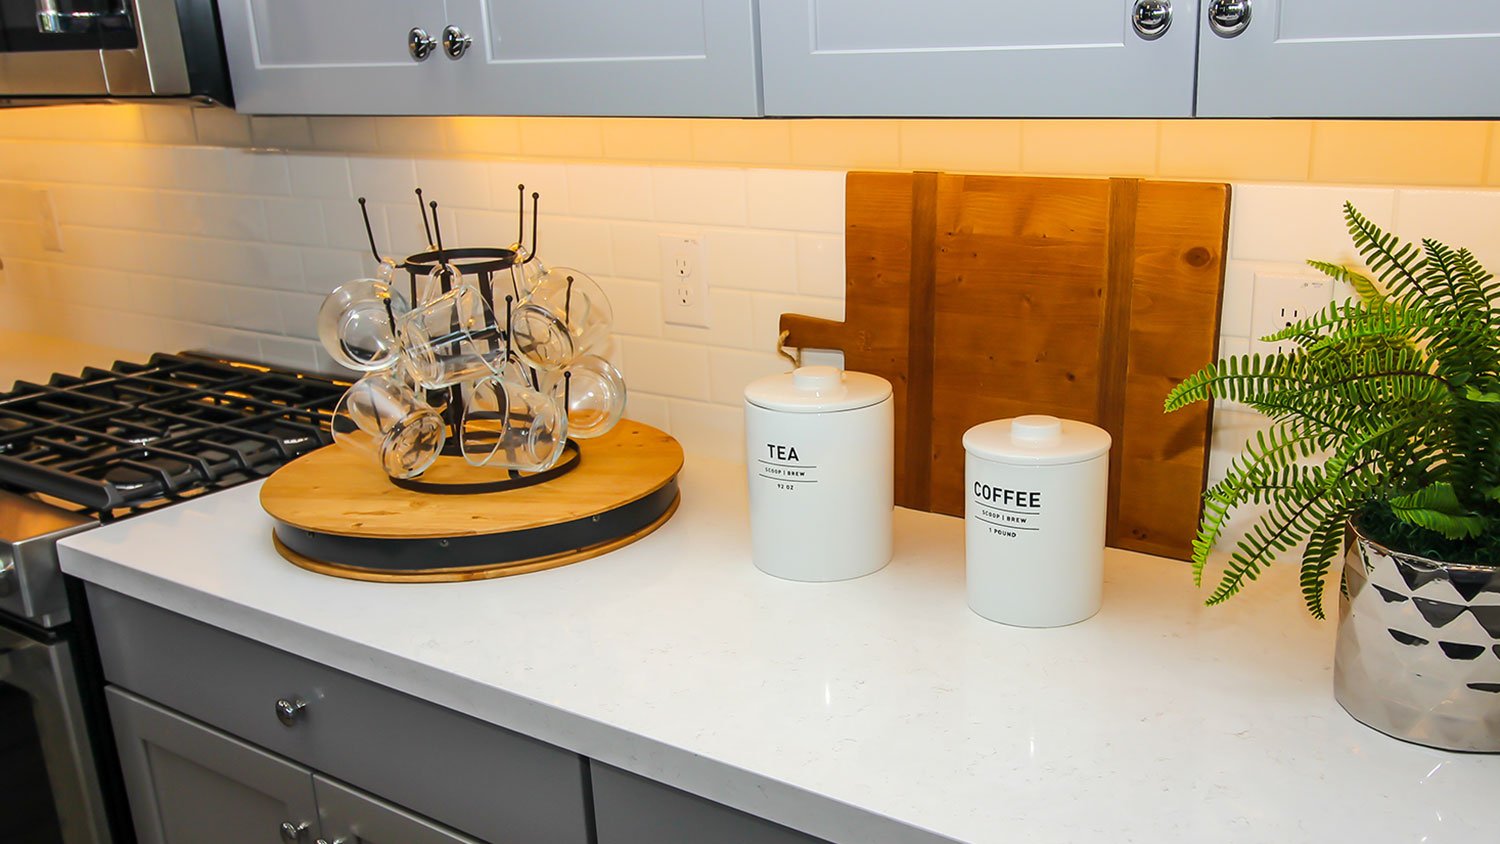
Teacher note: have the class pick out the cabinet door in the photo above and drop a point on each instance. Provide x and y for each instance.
(189, 784)
(1354, 58)
(334, 56)
(969, 57)
(667, 57)
(353, 817)
(633, 810)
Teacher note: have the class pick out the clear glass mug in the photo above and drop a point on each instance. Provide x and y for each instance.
(356, 324)
(452, 339)
(508, 425)
(564, 317)
(382, 416)
(593, 392)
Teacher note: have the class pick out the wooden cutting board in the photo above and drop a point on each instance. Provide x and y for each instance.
(985, 297)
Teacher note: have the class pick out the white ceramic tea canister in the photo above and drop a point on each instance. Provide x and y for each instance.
(1036, 489)
(820, 453)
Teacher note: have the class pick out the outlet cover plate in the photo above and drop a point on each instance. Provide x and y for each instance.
(1279, 301)
(684, 281)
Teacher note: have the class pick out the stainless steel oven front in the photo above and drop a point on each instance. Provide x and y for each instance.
(107, 49)
(48, 773)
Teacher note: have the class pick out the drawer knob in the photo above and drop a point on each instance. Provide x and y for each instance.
(456, 42)
(289, 710)
(291, 832)
(1228, 18)
(1151, 18)
(419, 44)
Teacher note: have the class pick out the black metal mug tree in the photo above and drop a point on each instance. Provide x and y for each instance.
(483, 262)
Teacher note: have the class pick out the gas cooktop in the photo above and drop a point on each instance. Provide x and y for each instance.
(113, 442)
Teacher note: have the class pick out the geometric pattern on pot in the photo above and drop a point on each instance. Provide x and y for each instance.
(1417, 654)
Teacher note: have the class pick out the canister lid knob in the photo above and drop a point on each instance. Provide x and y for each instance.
(1036, 428)
(817, 379)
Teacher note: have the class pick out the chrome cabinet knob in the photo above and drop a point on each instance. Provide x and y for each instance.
(1228, 18)
(456, 42)
(1151, 18)
(420, 44)
(334, 841)
(289, 710)
(291, 832)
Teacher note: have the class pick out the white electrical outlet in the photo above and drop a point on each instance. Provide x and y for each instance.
(684, 281)
(1279, 301)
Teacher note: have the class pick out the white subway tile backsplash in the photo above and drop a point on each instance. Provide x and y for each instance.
(649, 409)
(731, 369)
(751, 260)
(636, 305)
(280, 132)
(1461, 219)
(797, 200)
(325, 269)
(636, 250)
(221, 127)
(176, 243)
(666, 368)
(709, 429)
(211, 215)
(820, 265)
(294, 221)
(550, 181)
(384, 179)
(320, 176)
(453, 184)
(728, 321)
(608, 190)
(577, 243)
(700, 195)
(1293, 223)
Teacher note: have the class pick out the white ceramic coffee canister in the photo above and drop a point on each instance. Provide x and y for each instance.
(1036, 488)
(820, 451)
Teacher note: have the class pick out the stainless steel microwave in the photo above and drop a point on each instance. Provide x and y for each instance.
(70, 50)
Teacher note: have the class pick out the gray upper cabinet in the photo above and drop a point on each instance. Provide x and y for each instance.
(666, 58)
(334, 56)
(961, 57)
(565, 57)
(189, 784)
(1352, 58)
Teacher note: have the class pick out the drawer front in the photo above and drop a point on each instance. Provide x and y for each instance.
(633, 810)
(476, 777)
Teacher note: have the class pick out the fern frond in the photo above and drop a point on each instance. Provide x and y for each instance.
(1395, 263)
(1324, 543)
(1437, 508)
(1362, 284)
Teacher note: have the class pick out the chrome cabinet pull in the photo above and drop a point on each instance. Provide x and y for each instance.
(1151, 18)
(1228, 18)
(291, 832)
(289, 710)
(456, 42)
(420, 44)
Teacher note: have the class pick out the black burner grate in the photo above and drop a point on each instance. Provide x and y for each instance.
(121, 440)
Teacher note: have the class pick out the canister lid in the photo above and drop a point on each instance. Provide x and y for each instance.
(817, 389)
(1036, 441)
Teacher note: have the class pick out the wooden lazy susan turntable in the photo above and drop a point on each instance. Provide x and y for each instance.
(337, 513)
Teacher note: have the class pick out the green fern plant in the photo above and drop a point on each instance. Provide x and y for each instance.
(1386, 411)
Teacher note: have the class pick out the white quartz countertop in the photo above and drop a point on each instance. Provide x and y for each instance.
(874, 710)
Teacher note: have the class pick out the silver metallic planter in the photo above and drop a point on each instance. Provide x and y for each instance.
(1418, 653)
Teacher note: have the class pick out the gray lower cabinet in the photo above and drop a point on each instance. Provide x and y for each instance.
(348, 816)
(962, 57)
(478, 778)
(189, 783)
(633, 810)
(1351, 58)
(566, 57)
